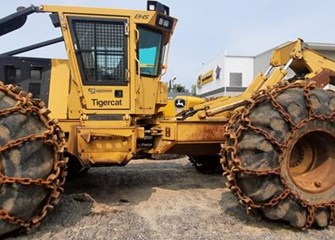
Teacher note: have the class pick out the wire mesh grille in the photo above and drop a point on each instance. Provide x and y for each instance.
(102, 51)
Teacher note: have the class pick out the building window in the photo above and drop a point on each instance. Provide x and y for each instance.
(235, 80)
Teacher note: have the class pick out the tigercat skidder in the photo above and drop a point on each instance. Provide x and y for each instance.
(276, 141)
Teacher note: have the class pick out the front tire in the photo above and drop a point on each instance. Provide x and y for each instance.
(32, 166)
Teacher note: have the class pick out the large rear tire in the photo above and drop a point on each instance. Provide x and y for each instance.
(32, 167)
(279, 155)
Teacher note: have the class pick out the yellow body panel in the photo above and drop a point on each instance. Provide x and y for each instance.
(112, 146)
(145, 100)
(101, 97)
(59, 88)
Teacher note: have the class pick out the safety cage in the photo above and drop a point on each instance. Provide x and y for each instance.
(101, 49)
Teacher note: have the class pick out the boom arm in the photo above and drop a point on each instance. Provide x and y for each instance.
(304, 62)
(202, 126)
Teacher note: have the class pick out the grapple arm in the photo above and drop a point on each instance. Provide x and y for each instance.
(304, 62)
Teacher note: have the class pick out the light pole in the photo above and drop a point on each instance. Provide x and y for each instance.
(171, 82)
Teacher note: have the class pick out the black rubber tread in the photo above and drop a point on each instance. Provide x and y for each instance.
(287, 210)
(264, 117)
(294, 104)
(259, 189)
(256, 152)
(32, 159)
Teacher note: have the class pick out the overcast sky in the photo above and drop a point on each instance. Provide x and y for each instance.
(205, 28)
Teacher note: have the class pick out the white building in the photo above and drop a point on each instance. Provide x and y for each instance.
(231, 75)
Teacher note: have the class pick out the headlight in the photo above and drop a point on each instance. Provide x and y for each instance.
(157, 6)
(164, 22)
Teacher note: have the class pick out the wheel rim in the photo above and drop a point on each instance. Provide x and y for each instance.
(303, 157)
(311, 161)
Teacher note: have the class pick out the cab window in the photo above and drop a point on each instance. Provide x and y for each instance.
(101, 50)
(150, 51)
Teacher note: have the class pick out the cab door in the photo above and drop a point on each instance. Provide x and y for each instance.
(101, 50)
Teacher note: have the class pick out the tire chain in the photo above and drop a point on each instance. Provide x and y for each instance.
(240, 121)
(52, 136)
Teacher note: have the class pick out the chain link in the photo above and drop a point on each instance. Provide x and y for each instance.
(241, 121)
(52, 136)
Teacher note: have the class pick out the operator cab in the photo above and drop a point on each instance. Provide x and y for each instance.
(111, 53)
(102, 45)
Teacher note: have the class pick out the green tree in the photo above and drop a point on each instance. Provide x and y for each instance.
(179, 88)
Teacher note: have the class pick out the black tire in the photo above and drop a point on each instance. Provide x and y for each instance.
(279, 155)
(207, 164)
(22, 202)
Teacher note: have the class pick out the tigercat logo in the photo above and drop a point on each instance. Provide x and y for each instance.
(93, 90)
(106, 103)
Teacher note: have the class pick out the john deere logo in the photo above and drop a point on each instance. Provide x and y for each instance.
(180, 103)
